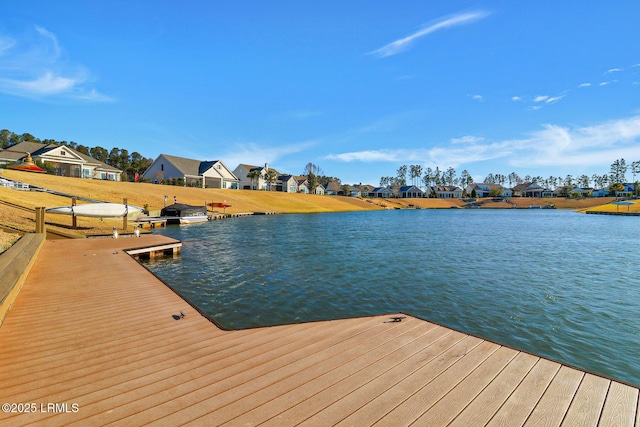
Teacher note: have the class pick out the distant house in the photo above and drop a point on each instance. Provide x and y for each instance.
(534, 190)
(243, 172)
(484, 189)
(628, 191)
(65, 160)
(572, 192)
(447, 191)
(384, 192)
(529, 189)
(602, 192)
(213, 174)
(303, 184)
(287, 184)
(410, 191)
(332, 188)
(362, 190)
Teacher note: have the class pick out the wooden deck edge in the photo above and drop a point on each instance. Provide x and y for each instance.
(15, 265)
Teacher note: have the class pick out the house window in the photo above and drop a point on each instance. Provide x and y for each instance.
(219, 166)
(63, 153)
(162, 166)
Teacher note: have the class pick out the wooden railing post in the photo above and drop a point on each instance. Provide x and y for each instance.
(40, 226)
(74, 222)
(125, 222)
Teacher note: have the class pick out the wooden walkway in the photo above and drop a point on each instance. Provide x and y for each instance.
(95, 339)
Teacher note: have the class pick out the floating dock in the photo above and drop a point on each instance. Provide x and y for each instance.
(94, 338)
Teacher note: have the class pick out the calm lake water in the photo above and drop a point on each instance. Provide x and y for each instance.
(555, 283)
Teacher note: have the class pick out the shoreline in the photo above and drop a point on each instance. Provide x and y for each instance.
(152, 196)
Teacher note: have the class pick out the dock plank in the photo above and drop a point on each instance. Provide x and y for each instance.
(553, 405)
(587, 405)
(77, 336)
(621, 406)
(481, 409)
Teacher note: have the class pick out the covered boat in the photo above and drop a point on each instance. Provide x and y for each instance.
(179, 213)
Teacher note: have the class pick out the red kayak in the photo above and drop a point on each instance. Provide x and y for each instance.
(218, 205)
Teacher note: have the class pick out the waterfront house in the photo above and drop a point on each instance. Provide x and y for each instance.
(361, 190)
(484, 189)
(529, 189)
(447, 191)
(213, 174)
(303, 184)
(244, 171)
(332, 188)
(628, 191)
(287, 184)
(64, 160)
(410, 191)
(319, 190)
(384, 192)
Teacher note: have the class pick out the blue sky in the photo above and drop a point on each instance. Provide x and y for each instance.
(358, 88)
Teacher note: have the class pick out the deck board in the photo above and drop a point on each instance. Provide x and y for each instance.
(80, 334)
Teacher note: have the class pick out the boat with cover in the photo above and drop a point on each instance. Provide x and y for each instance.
(179, 213)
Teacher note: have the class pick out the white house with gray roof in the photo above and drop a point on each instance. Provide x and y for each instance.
(213, 174)
(64, 160)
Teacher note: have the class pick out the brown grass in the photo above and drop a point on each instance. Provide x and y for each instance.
(635, 207)
(152, 196)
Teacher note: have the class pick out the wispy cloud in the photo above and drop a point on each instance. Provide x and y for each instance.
(402, 44)
(551, 146)
(584, 85)
(467, 139)
(478, 98)
(613, 70)
(35, 66)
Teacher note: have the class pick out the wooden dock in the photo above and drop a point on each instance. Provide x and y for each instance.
(93, 338)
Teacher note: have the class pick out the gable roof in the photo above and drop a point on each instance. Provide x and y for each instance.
(409, 187)
(18, 151)
(250, 168)
(191, 167)
(184, 165)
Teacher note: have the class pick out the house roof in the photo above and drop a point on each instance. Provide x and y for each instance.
(409, 187)
(484, 186)
(191, 167)
(18, 151)
(333, 186)
(301, 179)
(521, 187)
(380, 190)
(184, 165)
(447, 188)
(250, 168)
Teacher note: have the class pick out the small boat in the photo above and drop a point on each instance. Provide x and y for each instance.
(96, 210)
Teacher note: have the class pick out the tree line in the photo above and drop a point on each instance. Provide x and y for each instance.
(428, 177)
(130, 163)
